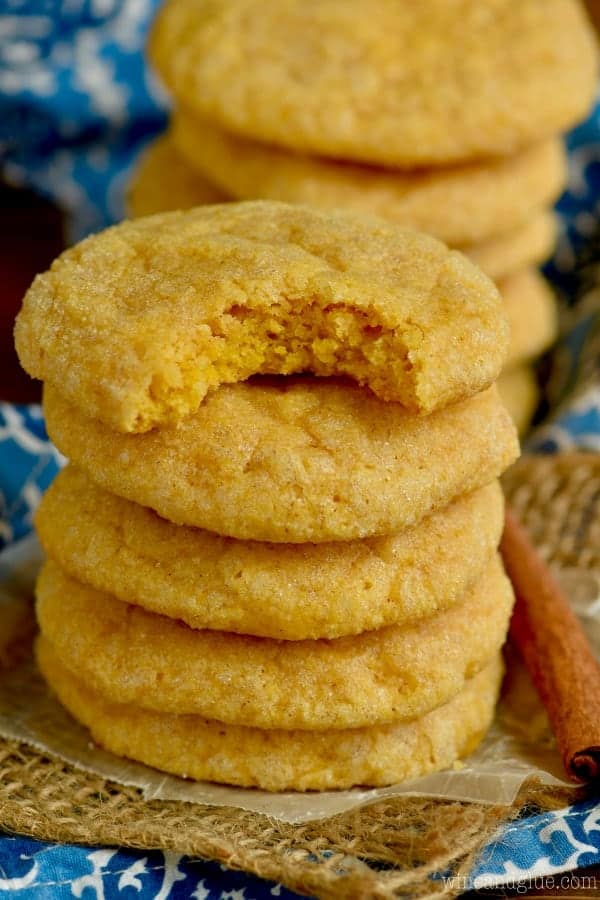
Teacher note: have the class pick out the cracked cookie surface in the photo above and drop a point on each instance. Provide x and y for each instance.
(295, 459)
(165, 181)
(137, 323)
(393, 674)
(286, 591)
(459, 205)
(281, 760)
(400, 84)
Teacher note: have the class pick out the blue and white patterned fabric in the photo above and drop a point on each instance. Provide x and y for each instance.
(32, 870)
(579, 207)
(540, 847)
(76, 102)
(573, 389)
(574, 385)
(76, 106)
(28, 463)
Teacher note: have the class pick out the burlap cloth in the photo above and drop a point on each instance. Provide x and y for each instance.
(389, 849)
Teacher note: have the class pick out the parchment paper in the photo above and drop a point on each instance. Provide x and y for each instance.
(519, 744)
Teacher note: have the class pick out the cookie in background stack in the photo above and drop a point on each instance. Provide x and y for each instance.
(440, 117)
(519, 391)
(288, 581)
(163, 181)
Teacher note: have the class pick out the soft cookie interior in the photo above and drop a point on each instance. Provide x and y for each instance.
(136, 324)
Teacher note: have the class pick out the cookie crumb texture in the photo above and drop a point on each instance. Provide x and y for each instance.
(415, 83)
(275, 760)
(137, 323)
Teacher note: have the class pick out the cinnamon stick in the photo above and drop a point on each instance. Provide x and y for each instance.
(556, 652)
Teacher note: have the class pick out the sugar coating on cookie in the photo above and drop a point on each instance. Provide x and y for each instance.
(458, 204)
(137, 323)
(162, 181)
(276, 760)
(381, 81)
(532, 312)
(165, 181)
(286, 591)
(295, 459)
(396, 673)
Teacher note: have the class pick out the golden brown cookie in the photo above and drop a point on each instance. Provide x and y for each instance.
(294, 460)
(531, 310)
(162, 180)
(529, 245)
(137, 323)
(291, 591)
(282, 760)
(459, 205)
(520, 394)
(400, 84)
(396, 673)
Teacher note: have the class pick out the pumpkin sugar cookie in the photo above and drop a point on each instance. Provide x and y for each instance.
(378, 81)
(529, 245)
(396, 673)
(136, 324)
(281, 760)
(165, 181)
(520, 393)
(531, 309)
(268, 590)
(459, 205)
(162, 180)
(295, 459)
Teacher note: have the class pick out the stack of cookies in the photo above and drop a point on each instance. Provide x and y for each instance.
(439, 116)
(272, 558)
